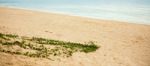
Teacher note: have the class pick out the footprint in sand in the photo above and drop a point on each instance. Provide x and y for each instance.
(48, 31)
(53, 33)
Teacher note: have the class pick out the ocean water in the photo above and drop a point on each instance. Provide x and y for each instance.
(133, 11)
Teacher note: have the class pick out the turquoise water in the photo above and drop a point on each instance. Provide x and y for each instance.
(134, 11)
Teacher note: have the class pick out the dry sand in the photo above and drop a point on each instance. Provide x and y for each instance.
(122, 44)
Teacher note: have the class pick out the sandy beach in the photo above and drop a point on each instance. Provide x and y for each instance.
(122, 44)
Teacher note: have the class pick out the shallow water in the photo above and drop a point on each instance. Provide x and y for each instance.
(134, 11)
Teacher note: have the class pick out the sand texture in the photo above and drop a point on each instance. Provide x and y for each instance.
(122, 44)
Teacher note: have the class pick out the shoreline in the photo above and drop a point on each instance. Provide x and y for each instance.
(121, 43)
(70, 14)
